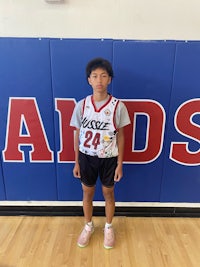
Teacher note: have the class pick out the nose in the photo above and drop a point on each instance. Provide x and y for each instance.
(99, 78)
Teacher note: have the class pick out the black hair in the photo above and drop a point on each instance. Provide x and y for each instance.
(99, 63)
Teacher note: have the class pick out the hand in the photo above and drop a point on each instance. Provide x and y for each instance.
(118, 173)
(76, 171)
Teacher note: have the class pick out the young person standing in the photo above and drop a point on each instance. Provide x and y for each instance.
(99, 120)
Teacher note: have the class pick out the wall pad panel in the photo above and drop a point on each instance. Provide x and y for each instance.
(41, 81)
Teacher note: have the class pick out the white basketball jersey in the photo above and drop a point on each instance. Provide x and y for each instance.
(98, 132)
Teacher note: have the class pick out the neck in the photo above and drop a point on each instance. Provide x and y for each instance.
(100, 97)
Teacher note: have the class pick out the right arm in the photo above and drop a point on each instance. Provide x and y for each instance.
(76, 170)
(76, 122)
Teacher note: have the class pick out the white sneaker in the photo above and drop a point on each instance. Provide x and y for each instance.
(109, 238)
(85, 235)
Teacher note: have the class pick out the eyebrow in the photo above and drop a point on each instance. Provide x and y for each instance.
(95, 73)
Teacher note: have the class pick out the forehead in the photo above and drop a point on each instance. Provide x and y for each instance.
(99, 71)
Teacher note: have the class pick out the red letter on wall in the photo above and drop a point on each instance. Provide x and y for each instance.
(184, 124)
(154, 135)
(24, 113)
(65, 109)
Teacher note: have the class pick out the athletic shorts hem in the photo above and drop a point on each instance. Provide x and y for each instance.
(87, 184)
(108, 186)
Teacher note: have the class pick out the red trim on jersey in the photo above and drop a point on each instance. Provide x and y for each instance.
(114, 116)
(83, 108)
(93, 103)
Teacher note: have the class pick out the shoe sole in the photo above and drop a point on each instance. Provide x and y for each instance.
(107, 247)
(83, 246)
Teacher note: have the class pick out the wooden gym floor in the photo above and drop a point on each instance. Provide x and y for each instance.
(140, 242)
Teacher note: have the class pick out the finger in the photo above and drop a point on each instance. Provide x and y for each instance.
(76, 174)
(116, 178)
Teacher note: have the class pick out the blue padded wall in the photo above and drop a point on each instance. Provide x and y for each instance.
(181, 183)
(69, 58)
(143, 70)
(25, 72)
(2, 187)
(42, 79)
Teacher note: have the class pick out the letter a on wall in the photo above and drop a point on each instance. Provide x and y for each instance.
(25, 128)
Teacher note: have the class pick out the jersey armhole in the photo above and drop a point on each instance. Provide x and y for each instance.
(114, 116)
(83, 107)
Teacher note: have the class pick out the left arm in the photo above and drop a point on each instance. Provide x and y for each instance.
(119, 169)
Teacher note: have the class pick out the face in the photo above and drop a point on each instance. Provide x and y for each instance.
(99, 80)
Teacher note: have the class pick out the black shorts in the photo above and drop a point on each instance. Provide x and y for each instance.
(91, 167)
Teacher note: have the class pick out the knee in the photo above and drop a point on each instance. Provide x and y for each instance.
(88, 193)
(108, 194)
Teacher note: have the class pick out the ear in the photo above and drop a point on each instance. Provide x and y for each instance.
(89, 80)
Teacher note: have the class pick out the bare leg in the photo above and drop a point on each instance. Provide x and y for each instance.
(84, 237)
(108, 194)
(88, 194)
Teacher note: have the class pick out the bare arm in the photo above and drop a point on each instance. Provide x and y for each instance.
(119, 169)
(76, 170)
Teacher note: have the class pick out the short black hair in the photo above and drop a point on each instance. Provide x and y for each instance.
(99, 63)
